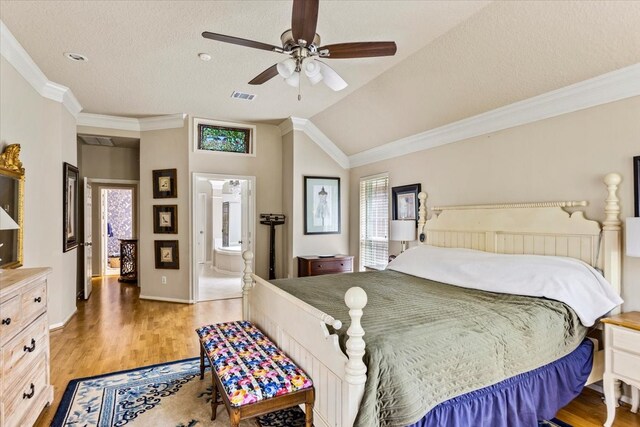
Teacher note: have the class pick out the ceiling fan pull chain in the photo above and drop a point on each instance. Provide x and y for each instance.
(300, 90)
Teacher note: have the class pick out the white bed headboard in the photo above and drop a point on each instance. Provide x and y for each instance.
(540, 228)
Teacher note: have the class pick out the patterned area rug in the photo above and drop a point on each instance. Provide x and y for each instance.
(164, 395)
(169, 394)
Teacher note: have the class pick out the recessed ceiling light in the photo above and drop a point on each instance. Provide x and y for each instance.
(78, 57)
(204, 56)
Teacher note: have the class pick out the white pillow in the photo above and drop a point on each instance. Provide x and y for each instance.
(568, 280)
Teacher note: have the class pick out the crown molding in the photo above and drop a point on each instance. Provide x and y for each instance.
(614, 86)
(18, 57)
(170, 121)
(317, 136)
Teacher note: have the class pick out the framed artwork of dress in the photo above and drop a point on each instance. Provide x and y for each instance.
(321, 205)
(404, 202)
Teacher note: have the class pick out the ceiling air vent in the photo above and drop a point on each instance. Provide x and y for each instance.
(243, 96)
(97, 140)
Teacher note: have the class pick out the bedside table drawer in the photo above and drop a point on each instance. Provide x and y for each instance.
(626, 339)
(626, 365)
(331, 266)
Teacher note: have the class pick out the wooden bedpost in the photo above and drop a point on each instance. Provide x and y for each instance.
(611, 240)
(247, 283)
(422, 215)
(355, 370)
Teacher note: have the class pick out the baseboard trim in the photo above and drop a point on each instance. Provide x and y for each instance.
(597, 387)
(62, 324)
(163, 299)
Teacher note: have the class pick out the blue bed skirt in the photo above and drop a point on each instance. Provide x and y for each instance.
(518, 401)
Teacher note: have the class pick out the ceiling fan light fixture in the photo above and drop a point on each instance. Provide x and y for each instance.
(286, 67)
(331, 78)
(312, 70)
(293, 79)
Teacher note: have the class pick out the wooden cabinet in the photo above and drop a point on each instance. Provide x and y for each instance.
(622, 360)
(315, 265)
(25, 386)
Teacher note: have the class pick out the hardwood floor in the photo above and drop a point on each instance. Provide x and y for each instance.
(114, 330)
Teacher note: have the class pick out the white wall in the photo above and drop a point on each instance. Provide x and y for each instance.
(562, 158)
(46, 132)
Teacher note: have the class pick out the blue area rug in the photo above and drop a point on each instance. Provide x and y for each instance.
(167, 394)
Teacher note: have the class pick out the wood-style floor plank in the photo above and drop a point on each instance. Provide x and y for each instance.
(115, 330)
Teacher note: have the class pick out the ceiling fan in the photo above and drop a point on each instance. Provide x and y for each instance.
(302, 44)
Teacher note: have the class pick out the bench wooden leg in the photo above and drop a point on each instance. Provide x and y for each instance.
(201, 362)
(234, 417)
(308, 408)
(214, 396)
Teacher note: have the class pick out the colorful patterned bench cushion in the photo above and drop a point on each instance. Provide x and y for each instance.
(250, 367)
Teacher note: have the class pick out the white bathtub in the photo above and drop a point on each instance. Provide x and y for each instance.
(227, 259)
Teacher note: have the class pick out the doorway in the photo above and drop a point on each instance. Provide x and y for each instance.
(117, 223)
(223, 226)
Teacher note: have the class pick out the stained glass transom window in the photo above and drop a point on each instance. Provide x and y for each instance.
(222, 138)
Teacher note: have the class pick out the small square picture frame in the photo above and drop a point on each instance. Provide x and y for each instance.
(167, 254)
(165, 219)
(165, 185)
(404, 202)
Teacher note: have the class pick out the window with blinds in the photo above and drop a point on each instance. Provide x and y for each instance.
(374, 221)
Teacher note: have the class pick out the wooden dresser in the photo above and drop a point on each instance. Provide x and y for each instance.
(315, 265)
(25, 387)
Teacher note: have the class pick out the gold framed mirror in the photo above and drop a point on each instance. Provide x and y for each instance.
(11, 207)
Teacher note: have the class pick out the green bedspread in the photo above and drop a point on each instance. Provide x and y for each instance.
(428, 342)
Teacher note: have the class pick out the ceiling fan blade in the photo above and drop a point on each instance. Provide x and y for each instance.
(359, 50)
(304, 20)
(242, 42)
(265, 76)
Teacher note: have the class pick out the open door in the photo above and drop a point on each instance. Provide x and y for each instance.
(87, 246)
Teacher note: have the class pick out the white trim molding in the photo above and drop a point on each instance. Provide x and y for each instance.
(614, 86)
(60, 325)
(169, 121)
(163, 299)
(18, 57)
(317, 136)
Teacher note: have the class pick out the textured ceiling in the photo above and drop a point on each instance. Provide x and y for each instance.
(143, 54)
(509, 51)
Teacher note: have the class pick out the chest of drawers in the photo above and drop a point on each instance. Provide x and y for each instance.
(25, 387)
(315, 265)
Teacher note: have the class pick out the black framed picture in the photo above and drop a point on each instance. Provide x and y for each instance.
(70, 207)
(167, 254)
(165, 185)
(321, 205)
(636, 183)
(404, 202)
(165, 219)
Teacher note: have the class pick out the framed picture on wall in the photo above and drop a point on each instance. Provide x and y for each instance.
(165, 185)
(636, 183)
(70, 207)
(321, 205)
(404, 202)
(166, 254)
(165, 219)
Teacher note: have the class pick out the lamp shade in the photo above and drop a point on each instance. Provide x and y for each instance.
(286, 67)
(293, 79)
(402, 230)
(331, 78)
(6, 222)
(632, 237)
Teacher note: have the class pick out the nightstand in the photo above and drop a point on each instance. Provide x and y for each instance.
(315, 265)
(621, 359)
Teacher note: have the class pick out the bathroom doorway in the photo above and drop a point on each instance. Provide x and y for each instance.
(223, 218)
(116, 222)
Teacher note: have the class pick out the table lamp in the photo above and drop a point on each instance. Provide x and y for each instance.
(403, 231)
(6, 223)
(632, 237)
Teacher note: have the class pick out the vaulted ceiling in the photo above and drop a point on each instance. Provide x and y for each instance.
(455, 59)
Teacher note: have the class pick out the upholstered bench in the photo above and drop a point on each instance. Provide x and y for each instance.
(250, 374)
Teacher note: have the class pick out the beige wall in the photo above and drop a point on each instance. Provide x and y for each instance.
(46, 132)
(308, 159)
(562, 158)
(164, 149)
(109, 162)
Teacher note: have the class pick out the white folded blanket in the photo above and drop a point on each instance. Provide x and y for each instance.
(568, 280)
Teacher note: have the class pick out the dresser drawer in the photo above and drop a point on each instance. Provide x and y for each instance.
(34, 301)
(331, 266)
(10, 318)
(626, 364)
(626, 339)
(22, 352)
(20, 399)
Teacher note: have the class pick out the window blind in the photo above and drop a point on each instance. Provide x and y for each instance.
(374, 221)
